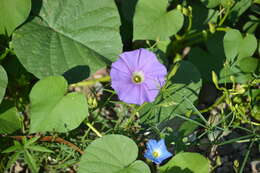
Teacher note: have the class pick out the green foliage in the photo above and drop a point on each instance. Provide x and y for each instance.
(210, 97)
(232, 41)
(211, 3)
(10, 119)
(235, 44)
(52, 109)
(81, 33)
(24, 150)
(177, 97)
(112, 154)
(214, 56)
(13, 13)
(3, 82)
(152, 21)
(249, 64)
(187, 163)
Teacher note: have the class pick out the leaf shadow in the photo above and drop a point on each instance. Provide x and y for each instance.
(77, 74)
(177, 170)
(126, 10)
(35, 10)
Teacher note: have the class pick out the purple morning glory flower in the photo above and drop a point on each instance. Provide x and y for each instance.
(156, 151)
(137, 76)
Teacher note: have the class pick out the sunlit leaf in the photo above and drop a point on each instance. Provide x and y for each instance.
(52, 109)
(247, 46)
(186, 163)
(152, 20)
(112, 154)
(232, 40)
(79, 33)
(3, 82)
(13, 13)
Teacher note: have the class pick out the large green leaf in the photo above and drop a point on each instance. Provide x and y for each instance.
(178, 97)
(152, 20)
(52, 110)
(112, 154)
(186, 163)
(68, 34)
(9, 118)
(13, 13)
(3, 82)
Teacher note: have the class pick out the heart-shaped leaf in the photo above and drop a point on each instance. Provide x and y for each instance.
(112, 154)
(235, 44)
(80, 32)
(186, 162)
(52, 110)
(13, 13)
(3, 82)
(152, 21)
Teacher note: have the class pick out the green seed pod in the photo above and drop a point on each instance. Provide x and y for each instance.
(212, 27)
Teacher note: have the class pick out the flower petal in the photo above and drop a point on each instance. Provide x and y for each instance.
(128, 92)
(148, 62)
(155, 69)
(119, 76)
(131, 58)
(131, 62)
(121, 66)
(152, 88)
(151, 144)
(154, 146)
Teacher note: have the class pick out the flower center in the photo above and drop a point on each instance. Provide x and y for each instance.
(138, 77)
(156, 154)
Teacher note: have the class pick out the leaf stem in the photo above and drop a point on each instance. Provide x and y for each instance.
(214, 105)
(94, 129)
(246, 157)
(91, 81)
(224, 18)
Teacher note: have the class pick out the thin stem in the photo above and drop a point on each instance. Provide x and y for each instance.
(196, 34)
(91, 82)
(191, 120)
(190, 24)
(133, 114)
(222, 29)
(224, 18)
(214, 105)
(246, 157)
(94, 129)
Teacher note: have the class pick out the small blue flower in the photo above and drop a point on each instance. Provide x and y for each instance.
(156, 151)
